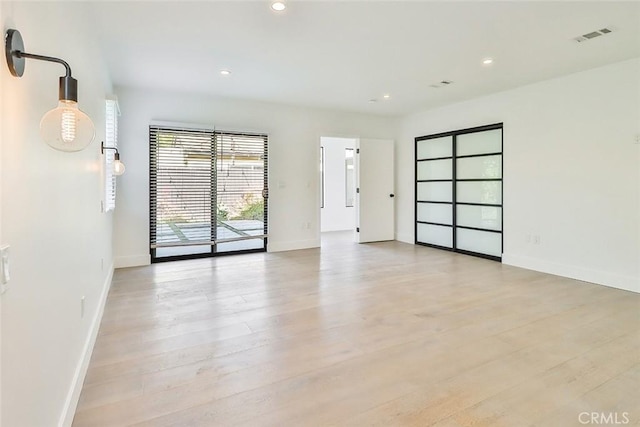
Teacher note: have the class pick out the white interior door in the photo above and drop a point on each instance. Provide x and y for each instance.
(375, 197)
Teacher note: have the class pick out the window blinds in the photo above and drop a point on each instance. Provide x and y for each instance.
(206, 187)
(111, 140)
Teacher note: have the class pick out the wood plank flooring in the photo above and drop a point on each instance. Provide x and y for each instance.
(383, 334)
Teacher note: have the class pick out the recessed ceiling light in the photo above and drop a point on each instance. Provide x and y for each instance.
(225, 72)
(386, 96)
(278, 6)
(487, 61)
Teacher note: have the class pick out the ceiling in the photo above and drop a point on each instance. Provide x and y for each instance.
(341, 55)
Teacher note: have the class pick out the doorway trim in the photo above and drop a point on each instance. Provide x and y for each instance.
(324, 157)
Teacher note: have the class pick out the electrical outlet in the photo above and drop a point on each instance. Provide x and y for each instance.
(536, 239)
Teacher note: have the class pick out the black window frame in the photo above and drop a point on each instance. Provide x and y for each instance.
(153, 200)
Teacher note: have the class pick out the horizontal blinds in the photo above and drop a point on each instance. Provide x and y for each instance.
(201, 178)
(111, 140)
(241, 179)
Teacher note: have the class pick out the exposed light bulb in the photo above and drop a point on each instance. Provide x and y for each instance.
(66, 128)
(278, 6)
(118, 167)
(68, 125)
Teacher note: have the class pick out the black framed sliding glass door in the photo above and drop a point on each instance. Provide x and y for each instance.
(459, 191)
(208, 193)
(434, 191)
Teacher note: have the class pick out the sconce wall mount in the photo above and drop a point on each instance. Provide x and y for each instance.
(64, 128)
(118, 166)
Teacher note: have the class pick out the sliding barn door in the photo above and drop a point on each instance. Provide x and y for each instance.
(208, 193)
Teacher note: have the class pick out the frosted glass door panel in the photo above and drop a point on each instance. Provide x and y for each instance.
(489, 192)
(483, 242)
(433, 148)
(489, 141)
(434, 191)
(435, 169)
(435, 235)
(459, 190)
(433, 212)
(479, 167)
(487, 217)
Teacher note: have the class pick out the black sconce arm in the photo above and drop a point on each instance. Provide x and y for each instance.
(15, 55)
(103, 147)
(20, 54)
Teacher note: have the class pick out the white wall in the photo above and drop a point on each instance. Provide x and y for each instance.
(60, 241)
(3, 76)
(294, 135)
(335, 215)
(571, 171)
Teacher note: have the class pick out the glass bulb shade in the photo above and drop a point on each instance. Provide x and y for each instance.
(118, 167)
(66, 128)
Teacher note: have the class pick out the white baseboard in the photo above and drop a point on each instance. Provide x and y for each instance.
(132, 261)
(406, 238)
(627, 283)
(292, 245)
(73, 396)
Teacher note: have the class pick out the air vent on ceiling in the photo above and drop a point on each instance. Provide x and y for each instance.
(441, 83)
(593, 35)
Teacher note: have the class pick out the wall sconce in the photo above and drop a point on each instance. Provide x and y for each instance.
(118, 166)
(64, 128)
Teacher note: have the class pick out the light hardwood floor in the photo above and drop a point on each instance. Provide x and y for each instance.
(383, 334)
